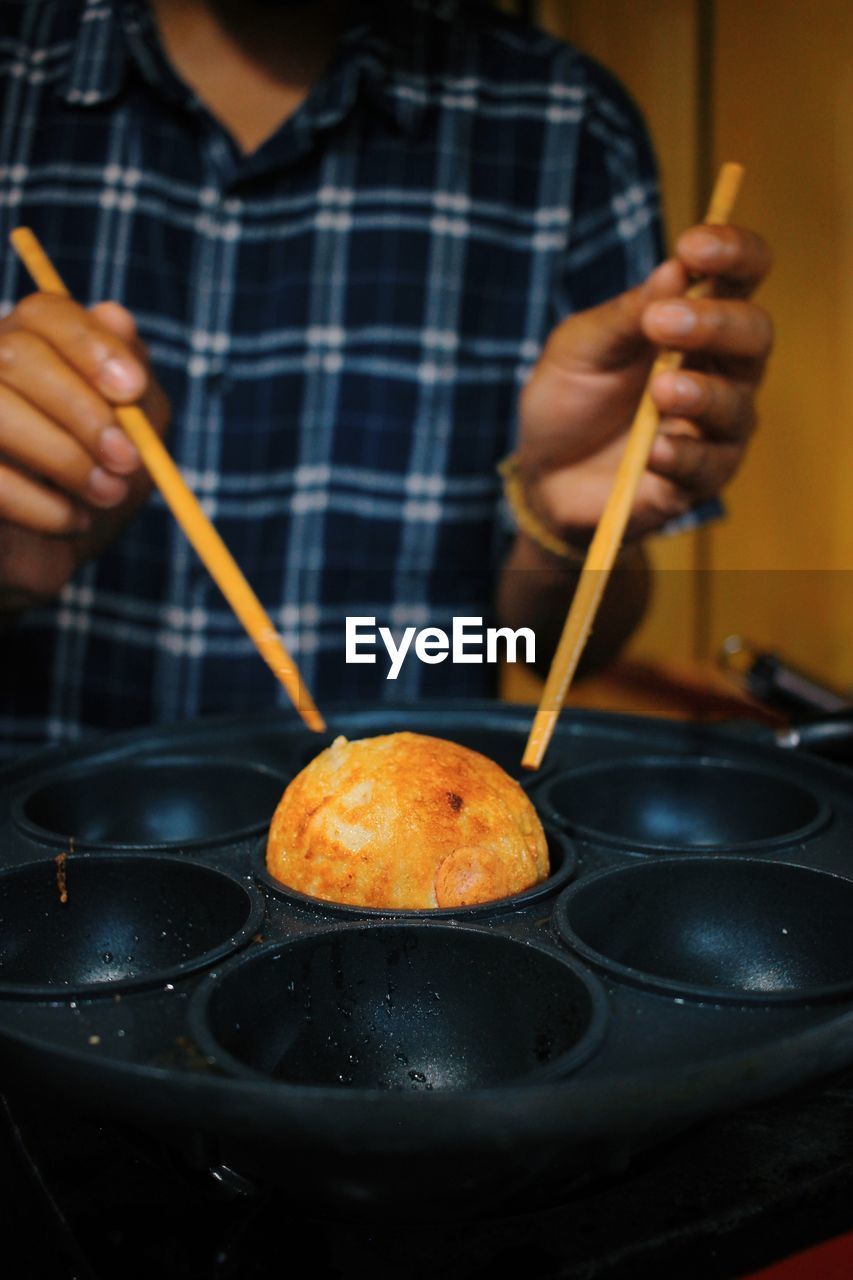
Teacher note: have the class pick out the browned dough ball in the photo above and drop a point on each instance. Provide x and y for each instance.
(405, 821)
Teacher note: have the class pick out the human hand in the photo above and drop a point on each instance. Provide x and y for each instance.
(69, 477)
(580, 399)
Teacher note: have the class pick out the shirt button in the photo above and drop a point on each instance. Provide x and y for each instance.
(217, 377)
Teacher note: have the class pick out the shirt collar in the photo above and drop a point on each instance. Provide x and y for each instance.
(381, 51)
(373, 57)
(98, 60)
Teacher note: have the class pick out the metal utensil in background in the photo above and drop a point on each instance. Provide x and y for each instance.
(820, 715)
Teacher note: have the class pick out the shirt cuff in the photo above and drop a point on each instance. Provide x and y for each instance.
(702, 513)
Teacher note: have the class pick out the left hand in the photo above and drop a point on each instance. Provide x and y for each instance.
(580, 399)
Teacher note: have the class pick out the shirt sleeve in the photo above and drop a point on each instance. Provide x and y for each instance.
(615, 231)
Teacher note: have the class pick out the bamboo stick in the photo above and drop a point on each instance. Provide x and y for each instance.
(611, 527)
(186, 509)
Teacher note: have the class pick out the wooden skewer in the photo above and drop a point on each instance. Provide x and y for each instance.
(611, 528)
(186, 509)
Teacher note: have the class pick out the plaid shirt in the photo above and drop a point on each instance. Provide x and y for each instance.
(342, 321)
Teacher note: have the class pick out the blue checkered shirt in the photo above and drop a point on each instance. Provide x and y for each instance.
(342, 321)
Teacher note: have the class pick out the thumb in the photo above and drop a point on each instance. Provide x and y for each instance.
(116, 318)
(610, 336)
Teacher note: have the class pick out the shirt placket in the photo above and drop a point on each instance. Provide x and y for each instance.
(196, 620)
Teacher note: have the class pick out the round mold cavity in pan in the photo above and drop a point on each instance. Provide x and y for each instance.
(128, 922)
(563, 862)
(151, 803)
(667, 804)
(400, 1006)
(742, 930)
(503, 746)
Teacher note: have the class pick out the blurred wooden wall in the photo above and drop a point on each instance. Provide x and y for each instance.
(769, 83)
(783, 101)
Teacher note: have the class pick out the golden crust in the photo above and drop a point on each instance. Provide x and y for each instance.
(405, 821)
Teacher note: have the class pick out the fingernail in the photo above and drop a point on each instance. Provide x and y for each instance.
(687, 393)
(675, 318)
(705, 248)
(104, 489)
(117, 451)
(120, 377)
(663, 451)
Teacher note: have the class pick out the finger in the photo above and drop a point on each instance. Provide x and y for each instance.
(657, 501)
(737, 259)
(722, 408)
(694, 465)
(154, 402)
(712, 326)
(99, 355)
(33, 506)
(29, 438)
(34, 369)
(116, 318)
(572, 499)
(611, 336)
(120, 321)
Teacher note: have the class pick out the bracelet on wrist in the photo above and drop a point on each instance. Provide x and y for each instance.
(528, 522)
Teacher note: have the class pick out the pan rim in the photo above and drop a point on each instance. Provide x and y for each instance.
(109, 988)
(542, 891)
(80, 770)
(826, 993)
(558, 1069)
(597, 835)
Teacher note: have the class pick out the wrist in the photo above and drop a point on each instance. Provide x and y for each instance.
(554, 541)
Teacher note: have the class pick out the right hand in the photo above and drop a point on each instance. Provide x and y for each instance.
(580, 400)
(69, 477)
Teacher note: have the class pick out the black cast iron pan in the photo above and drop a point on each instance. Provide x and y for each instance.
(691, 953)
